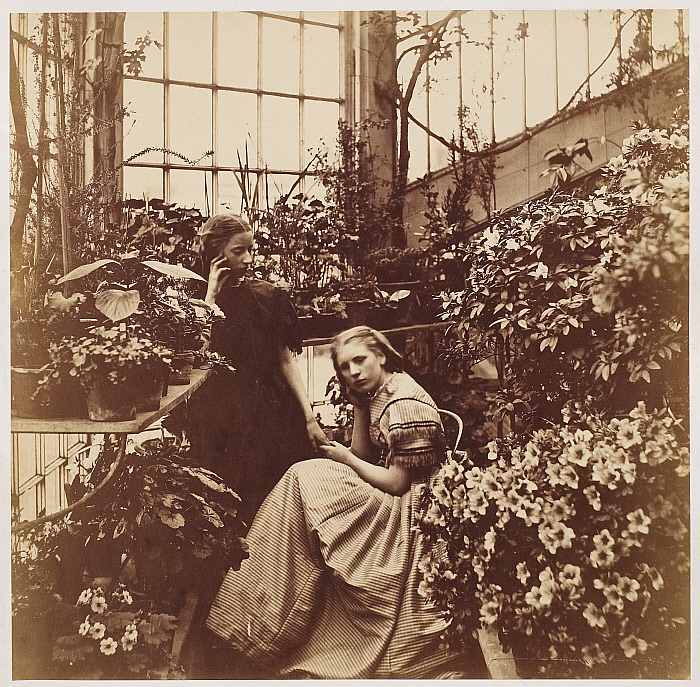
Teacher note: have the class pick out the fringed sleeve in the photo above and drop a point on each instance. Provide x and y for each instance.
(415, 436)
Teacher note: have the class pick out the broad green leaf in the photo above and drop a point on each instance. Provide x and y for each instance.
(117, 304)
(176, 271)
(84, 270)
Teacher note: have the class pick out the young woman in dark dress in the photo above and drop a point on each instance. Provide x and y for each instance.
(250, 425)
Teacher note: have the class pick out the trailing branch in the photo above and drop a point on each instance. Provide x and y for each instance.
(529, 132)
(28, 167)
(22, 526)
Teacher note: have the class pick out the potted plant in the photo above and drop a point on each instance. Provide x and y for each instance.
(119, 369)
(38, 316)
(173, 528)
(573, 544)
(341, 430)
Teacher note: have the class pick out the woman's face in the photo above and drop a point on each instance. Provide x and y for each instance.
(362, 369)
(239, 253)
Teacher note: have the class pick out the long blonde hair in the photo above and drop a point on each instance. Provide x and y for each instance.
(374, 340)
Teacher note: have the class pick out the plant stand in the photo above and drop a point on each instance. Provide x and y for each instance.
(175, 396)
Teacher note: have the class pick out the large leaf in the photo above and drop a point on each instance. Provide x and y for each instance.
(117, 304)
(176, 271)
(84, 270)
(399, 295)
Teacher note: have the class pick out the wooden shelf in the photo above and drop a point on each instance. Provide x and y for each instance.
(177, 393)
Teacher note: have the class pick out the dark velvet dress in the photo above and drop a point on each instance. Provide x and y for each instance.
(247, 425)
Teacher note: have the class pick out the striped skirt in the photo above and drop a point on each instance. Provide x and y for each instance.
(330, 588)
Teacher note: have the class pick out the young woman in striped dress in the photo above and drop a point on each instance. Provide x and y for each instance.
(331, 586)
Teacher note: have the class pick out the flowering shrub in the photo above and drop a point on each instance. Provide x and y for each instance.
(573, 544)
(118, 638)
(586, 297)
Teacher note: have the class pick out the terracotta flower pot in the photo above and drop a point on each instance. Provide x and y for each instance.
(107, 401)
(149, 390)
(24, 383)
(67, 400)
(357, 312)
(181, 367)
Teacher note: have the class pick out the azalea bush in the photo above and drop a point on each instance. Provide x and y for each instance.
(573, 544)
(585, 297)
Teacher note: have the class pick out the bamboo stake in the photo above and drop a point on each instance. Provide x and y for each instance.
(61, 143)
(41, 145)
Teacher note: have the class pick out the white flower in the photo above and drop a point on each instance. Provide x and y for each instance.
(522, 572)
(541, 271)
(108, 646)
(97, 631)
(85, 626)
(491, 238)
(85, 597)
(631, 645)
(99, 604)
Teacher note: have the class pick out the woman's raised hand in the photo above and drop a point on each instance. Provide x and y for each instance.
(358, 400)
(218, 274)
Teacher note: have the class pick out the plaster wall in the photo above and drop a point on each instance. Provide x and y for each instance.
(518, 171)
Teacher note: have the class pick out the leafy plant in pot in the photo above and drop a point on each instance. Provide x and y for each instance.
(37, 318)
(119, 368)
(156, 299)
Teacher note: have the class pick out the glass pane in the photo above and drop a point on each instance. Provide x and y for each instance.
(323, 17)
(572, 46)
(313, 188)
(229, 193)
(321, 61)
(237, 128)
(280, 134)
(280, 61)
(137, 25)
(476, 69)
(320, 128)
(444, 105)
(144, 128)
(418, 145)
(273, 186)
(664, 32)
(601, 36)
(189, 46)
(187, 188)
(438, 15)
(540, 66)
(237, 49)
(143, 183)
(508, 67)
(190, 122)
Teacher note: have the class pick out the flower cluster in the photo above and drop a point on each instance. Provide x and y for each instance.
(572, 543)
(117, 638)
(584, 296)
(108, 352)
(93, 626)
